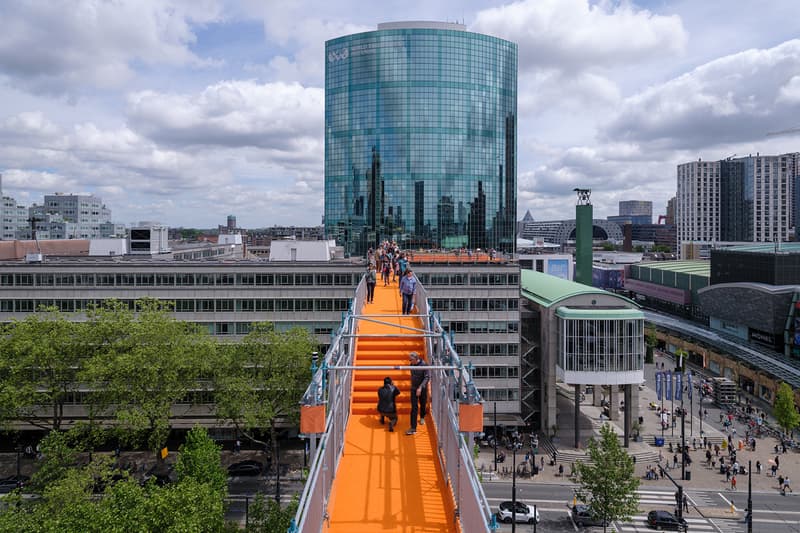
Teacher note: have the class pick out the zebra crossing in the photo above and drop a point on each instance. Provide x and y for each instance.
(664, 499)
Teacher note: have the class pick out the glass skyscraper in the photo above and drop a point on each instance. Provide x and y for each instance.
(420, 138)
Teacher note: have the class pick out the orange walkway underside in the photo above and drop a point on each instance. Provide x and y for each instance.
(388, 481)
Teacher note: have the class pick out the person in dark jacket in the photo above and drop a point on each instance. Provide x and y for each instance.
(420, 377)
(387, 406)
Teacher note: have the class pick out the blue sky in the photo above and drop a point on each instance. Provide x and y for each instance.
(185, 111)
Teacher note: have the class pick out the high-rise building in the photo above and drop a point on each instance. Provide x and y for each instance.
(420, 138)
(747, 199)
(698, 201)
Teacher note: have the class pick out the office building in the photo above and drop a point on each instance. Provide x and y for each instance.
(634, 212)
(420, 138)
(748, 199)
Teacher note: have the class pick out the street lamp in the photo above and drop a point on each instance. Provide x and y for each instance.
(515, 445)
(748, 517)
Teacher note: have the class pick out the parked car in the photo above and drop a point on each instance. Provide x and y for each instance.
(666, 520)
(582, 516)
(7, 484)
(522, 513)
(246, 468)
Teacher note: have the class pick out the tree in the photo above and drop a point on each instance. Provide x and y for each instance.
(146, 366)
(266, 516)
(199, 459)
(607, 482)
(784, 409)
(39, 361)
(262, 379)
(651, 340)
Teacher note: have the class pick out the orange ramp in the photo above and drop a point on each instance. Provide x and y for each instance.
(388, 481)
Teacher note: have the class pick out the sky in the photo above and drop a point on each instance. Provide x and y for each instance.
(187, 111)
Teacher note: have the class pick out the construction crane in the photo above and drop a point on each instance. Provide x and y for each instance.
(784, 132)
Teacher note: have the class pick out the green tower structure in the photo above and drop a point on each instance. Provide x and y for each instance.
(583, 237)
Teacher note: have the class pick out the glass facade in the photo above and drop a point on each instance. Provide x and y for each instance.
(420, 138)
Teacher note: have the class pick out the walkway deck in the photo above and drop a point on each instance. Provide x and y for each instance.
(388, 481)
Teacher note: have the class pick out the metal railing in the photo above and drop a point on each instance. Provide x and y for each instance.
(451, 385)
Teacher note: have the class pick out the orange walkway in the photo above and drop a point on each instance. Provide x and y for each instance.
(388, 481)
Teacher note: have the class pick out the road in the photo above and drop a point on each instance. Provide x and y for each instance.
(774, 513)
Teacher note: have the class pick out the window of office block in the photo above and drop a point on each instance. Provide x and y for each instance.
(304, 304)
(245, 279)
(243, 328)
(245, 306)
(341, 304)
(304, 279)
(45, 280)
(7, 280)
(225, 279)
(343, 280)
(265, 279)
(125, 280)
(23, 280)
(205, 306)
(165, 280)
(184, 279)
(324, 279)
(104, 280)
(224, 305)
(323, 305)
(145, 280)
(184, 306)
(84, 280)
(263, 305)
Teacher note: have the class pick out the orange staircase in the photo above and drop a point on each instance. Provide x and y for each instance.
(388, 481)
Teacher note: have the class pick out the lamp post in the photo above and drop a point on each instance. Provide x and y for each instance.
(495, 436)
(514, 446)
(748, 517)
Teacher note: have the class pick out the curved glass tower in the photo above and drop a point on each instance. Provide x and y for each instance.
(420, 138)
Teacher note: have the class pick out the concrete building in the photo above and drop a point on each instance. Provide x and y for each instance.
(577, 335)
(86, 211)
(403, 160)
(478, 301)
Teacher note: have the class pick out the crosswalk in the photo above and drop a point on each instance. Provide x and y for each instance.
(666, 499)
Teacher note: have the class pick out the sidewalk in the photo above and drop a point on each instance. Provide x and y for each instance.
(703, 477)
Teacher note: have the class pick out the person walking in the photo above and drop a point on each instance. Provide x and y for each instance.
(733, 483)
(420, 377)
(387, 404)
(371, 281)
(408, 287)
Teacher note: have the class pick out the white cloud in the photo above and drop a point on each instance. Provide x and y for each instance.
(790, 92)
(60, 46)
(278, 116)
(574, 35)
(737, 98)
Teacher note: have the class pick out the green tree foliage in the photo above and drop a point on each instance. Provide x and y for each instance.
(607, 482)
(784, 410)
(199, 459)
(148, 362)
(38, 363)
(267, 516)
(58, 458)
(67, 503)
(262, 379)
